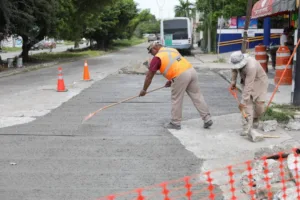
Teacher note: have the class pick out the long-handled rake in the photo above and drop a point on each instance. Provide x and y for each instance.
(114, 104)
(233, 92)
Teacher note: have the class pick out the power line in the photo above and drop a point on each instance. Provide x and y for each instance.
(158, 4)
(160, 7)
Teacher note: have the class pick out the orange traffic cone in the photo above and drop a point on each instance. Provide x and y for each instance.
(86, 74)
(60, 82)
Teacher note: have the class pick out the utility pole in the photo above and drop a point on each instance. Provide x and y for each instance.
(160, 7)
(209, 28)
(296, 96)
(245, 37)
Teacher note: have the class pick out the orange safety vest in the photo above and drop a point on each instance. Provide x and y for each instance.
(172, 63)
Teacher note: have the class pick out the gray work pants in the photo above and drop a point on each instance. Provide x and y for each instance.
(187, 82)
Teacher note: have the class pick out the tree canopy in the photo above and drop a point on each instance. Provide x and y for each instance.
(31, 19)
(147, 23)
(103, 21)
(214, 9)
(184, 9)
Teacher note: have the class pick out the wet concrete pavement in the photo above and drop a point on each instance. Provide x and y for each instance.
(119, 149)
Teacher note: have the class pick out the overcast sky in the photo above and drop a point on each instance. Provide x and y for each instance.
(168, 6)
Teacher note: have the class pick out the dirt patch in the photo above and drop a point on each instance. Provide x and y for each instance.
(139, 68)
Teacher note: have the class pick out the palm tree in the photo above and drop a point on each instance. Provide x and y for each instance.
(184, 9)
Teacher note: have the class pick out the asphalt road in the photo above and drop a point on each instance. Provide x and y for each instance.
(122, 148)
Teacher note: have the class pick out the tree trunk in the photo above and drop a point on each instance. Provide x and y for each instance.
(76, 44)
(214, 37)
(247, 21)
(100, 44)
(106, 45)
(91, 43)
(209, 39)
(25, 48)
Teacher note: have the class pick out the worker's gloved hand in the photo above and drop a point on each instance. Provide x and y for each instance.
(168, 84)
(241, 106)
(232, 86)
(142, 93)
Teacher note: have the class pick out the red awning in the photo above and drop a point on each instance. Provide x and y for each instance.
(264, 8)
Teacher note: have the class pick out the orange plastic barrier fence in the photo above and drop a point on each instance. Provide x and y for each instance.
(203, 186)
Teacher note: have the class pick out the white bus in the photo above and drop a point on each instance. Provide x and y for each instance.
(176, 33)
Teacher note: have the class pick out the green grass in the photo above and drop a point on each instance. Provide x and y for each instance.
(127, 43)
(220, 60)
(117, 44)
(12, 49)
(64, 55)
(286, 107)
(281, 113)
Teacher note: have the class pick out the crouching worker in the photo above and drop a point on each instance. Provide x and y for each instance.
(254, 83)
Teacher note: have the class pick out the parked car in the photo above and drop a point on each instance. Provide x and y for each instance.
(44, 44)
(158, 36)
(40, 45)
(50, 44)
(152, 37)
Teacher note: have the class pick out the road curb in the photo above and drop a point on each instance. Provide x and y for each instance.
(226, 78)
(16, 71)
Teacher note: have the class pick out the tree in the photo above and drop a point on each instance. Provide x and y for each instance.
(184, 9)
(213, 9)
(76, 15)
(31, 19)
(146, 23)
(5, 14)
(112, 23)
(69, 19)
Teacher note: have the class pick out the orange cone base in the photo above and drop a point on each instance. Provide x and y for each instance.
(284, 81)
(65, 90)
(87, 80)
(61, 86)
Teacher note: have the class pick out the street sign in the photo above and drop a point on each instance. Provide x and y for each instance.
(251, 33)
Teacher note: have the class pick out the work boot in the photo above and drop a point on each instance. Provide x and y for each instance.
(246, 130)
(244, 133)
(255, 123)
(208, 124)
(172, 126)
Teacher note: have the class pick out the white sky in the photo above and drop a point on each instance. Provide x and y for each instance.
(168, 6)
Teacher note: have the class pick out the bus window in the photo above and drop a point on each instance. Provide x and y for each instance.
(178, 28)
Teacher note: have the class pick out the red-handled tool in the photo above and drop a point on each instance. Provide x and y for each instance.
(233, 92)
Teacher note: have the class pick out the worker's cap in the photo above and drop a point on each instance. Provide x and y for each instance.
(151, 45)
(238, 59)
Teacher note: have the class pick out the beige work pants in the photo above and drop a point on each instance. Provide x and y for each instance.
(254, 110)
(187, 82)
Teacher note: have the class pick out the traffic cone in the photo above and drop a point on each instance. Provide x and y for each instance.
(60, 82)
(86, 74)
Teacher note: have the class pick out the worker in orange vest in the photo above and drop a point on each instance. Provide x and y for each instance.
(182, 77)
